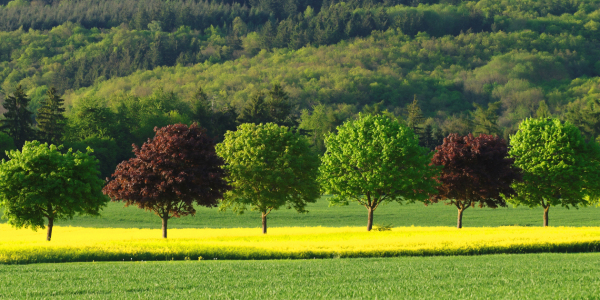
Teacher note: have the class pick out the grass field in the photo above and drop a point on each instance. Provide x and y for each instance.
(353, 215)
(526, 276)
(72, 244)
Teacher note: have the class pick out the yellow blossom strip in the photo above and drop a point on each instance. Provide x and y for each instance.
(115, 244)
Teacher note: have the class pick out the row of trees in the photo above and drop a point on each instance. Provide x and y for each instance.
(371, 160)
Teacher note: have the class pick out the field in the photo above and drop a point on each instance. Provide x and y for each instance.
(352, 215)
(326, 232)
(72, 244)
(526, 276)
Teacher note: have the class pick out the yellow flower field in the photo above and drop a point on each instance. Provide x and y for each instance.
(104, 244)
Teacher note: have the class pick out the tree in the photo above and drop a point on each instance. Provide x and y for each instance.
(6, 144)
(18, 119)
(50, 118)
(269, 166)
(476, 170)
(415, 116)
(279, 107)
(486, 120)
(170, 173)
(559, 167)
(41, 182)
(585, 116)
(375, 160)
(255, 111)
(543, 111)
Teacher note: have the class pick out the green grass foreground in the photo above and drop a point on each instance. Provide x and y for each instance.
(417, 214)
(529, 276)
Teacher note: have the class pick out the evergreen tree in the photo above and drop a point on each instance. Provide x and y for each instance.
(18, 119)
(543, 111)
(50, 118)
(279, 107)
(586, 118)
(374, 109)
(415, 116)
(202, 109)
(427, 138)
(485, 120)
(256, 110)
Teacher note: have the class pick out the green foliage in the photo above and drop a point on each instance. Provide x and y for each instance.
(18, 120)
(269, 166)
(559, 167)
(322, 120)
(543, 111)
(41, 182)
(375, 160)
(50, 118)
(6, 144)
(105, 150)
(485, 120)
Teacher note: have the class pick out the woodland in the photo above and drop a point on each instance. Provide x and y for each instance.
(122, 67)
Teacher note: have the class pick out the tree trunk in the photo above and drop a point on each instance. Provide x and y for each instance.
(264, 223)
(459, 221)
(50, 224)
(370, 220)
(546, 209)
(164, 226)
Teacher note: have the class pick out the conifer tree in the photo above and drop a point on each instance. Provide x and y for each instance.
(485, 120)
(279, 107)
(255, 111)
(50, 118)
(543, 111)
(415, 116)
(202, 109)
(18, 119)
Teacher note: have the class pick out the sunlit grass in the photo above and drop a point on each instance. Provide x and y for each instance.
(106, 244)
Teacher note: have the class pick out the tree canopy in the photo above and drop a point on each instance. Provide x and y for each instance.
(559, 166)
(170, 174)
(17, 122)
(375, 160)
(51, 119)
(475, 171)
(269, 167)
(40, 183)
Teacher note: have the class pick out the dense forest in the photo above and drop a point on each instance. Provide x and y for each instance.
(126, 66)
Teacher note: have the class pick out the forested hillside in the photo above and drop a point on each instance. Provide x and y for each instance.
(125, 66)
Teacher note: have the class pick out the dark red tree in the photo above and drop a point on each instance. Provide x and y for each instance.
(170, 173)
(476, 170)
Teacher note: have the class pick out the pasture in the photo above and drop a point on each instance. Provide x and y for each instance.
(525, 276)
(320, 214)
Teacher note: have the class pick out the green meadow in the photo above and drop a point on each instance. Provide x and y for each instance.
(527, 276)
(320, 214)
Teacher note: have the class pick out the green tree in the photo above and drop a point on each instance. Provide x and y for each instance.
(559, 167)
(485, 120)
(202, 111)
(543, 111)
(415, 116)
(269, 166)
(279, 106)
(374, 160)
(6, 144)
(255, 111)
(50, 118)
(18, 119)
(41, 182)
(586, 116)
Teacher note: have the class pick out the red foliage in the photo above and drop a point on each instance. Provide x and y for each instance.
(171, 172)
(475, 170)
